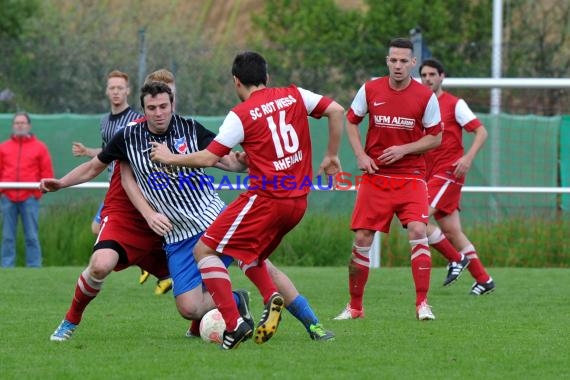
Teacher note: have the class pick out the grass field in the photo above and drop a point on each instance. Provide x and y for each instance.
(519, 332)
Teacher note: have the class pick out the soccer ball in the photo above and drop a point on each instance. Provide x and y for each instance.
(212, 327)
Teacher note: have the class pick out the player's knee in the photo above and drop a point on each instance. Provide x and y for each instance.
(416, 230)
(99, 272)
(102, 262)
(201, 251)
(363, 238)
(190, 312)
(452, 233)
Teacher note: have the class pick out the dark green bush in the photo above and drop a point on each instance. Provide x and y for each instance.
(324, 239)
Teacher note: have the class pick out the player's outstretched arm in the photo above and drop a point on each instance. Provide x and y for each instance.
(233, 162)
(201, 159)
(158, 222)
(81, 174)
(80, 150)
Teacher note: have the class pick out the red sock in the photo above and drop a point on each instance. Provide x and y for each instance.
(217, 281)
(86, 290)
(259, 276)
(358, 270)
(438, 240)
(195, 328)
(421, 268)
(475, 267)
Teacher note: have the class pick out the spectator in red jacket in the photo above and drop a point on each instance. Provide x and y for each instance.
(23, 158)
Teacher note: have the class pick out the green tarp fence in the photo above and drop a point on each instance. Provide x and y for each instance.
(521, 151)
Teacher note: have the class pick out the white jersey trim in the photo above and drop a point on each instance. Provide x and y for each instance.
(463, 114)
(432, 115)
(439, 194)
(235, 224)
(231, 131)
(310, 99)
(359, 105)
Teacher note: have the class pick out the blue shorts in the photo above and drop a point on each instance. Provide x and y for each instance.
(182, 266)
(97, 217)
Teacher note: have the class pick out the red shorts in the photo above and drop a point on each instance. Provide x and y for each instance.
(444, 194)
(252, 226)
(137, 244)
(379, 197)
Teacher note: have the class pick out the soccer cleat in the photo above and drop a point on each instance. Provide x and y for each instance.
(163, 286)
(144, 276)
(479, 289)
(349, 313)
(63, 332)
(318, 332)
(232, 339)
(455, 269)
(424, 313)
(243, 307)
(270, 319)
(190, 335)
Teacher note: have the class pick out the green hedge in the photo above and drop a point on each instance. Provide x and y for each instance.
(325, 240)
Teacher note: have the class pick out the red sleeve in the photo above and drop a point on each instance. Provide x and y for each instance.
(435, 130)
(352, 117)
(321, 107)
(472, 125)
(218, 149)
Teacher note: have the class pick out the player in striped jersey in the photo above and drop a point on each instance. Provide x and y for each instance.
(272, 126)
(164, 76)
(447, 166)
(117, 91)
(404, 122)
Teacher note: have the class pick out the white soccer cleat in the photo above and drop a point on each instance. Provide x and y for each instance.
(424, 313)
(349, 313)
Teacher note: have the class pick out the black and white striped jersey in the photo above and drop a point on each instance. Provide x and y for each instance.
(185, 195)
(112, 123)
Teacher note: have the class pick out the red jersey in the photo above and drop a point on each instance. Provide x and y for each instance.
(116, 199)
(396, 118)
(456, 116)
(273, 129)
(117, 202)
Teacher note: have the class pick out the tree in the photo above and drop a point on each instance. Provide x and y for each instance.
(13, 18)
(14, 15)
(537, 45)
(64, 52)
(308, 42)
(330, 50)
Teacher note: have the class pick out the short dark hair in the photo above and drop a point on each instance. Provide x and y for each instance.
(25, 114)
(403, 43)
(432, 62)
(250, 68)
(155, 88)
